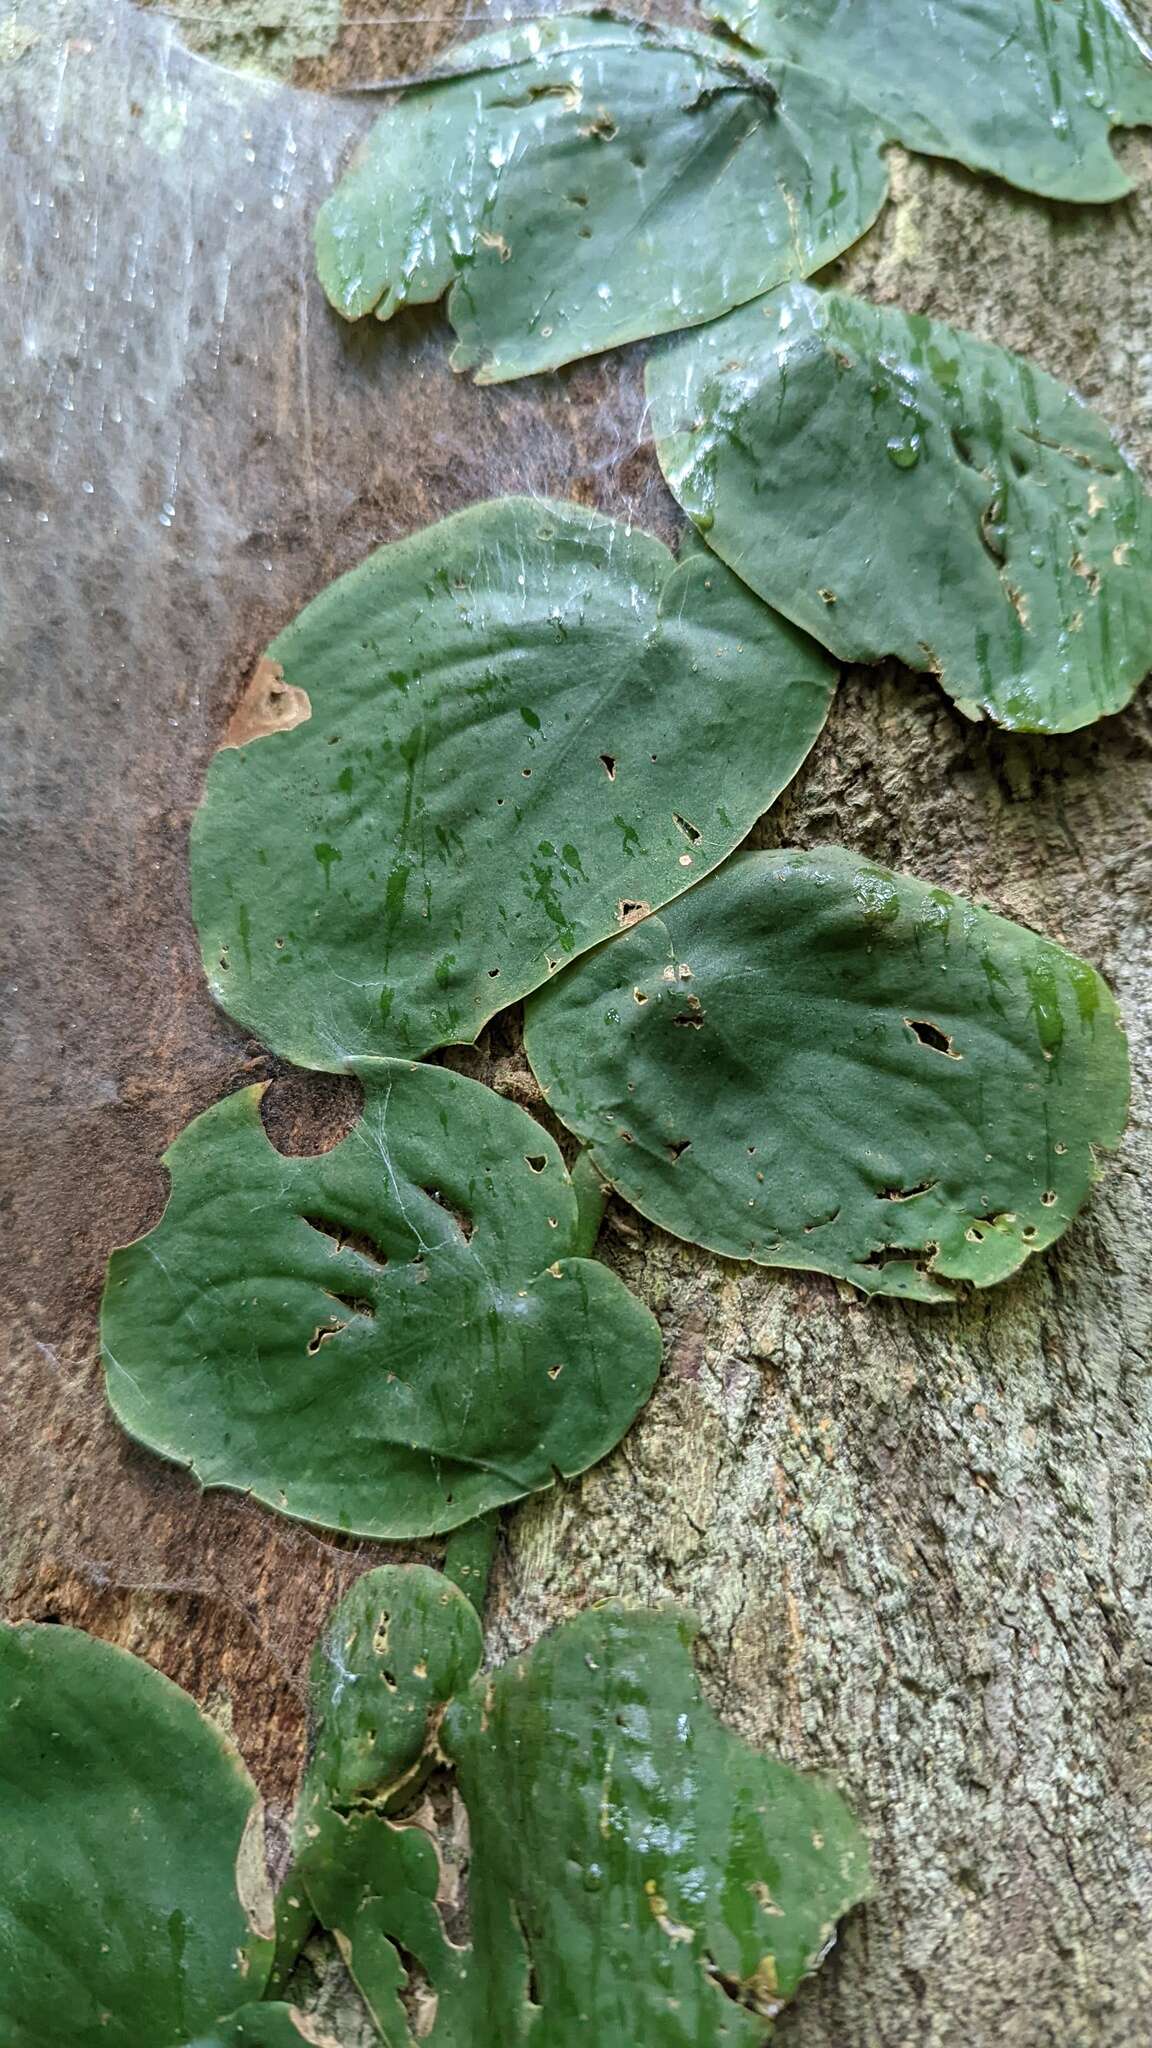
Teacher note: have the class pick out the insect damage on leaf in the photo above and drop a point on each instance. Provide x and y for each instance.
(986, 526)
(125, 1817)
(441, 832)
(636, 1874)
(397, 1390)
(1028, 89)
(889, 1084)
(586, 180)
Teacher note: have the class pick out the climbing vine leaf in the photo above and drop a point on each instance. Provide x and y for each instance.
(636, 1874)
(265, 2026)
(1028, 89)
(899, 488)
(586, 180)
(512, 731)
(390, 1337)
(810, 1061)
(131, 1882)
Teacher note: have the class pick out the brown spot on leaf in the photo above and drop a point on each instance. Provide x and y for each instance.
(628, 912)
(268, 705)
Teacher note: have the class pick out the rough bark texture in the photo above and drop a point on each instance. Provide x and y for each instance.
(917, 1538)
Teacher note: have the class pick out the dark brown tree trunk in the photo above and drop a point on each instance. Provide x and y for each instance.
(918, 1539)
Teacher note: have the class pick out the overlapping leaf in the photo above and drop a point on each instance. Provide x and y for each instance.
(899, 488)
(525, 723)
(810, 1061)
(125, 1818)
(1029, 89)
(636, 1874)
(586, 180)
(390, 1337)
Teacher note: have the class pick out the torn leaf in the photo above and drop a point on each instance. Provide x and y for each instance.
(1027, 89)
(635, 1873)
(441, 832)
(898, 488)
(586, 180)
(887, 1083)
(368, 1339)
(124, 1815)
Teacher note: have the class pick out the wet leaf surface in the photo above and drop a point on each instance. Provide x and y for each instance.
(636, 1873)
(897, 487)
(587, 180)
(1028, 89)
(516, 727)
(810, 1061)
(391, 1337)
(125, 1811)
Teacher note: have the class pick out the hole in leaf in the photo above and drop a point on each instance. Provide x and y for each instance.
(931, 1035)
(901, 1255)
(609, 766)
(629, 912)
(677, 1147)
(690, 832)
(638, 996)
(536, 1161)
(460, 1217)
(922, 1187)
(342, 1240)
(492, 973)
(323, 1332)
(1049, 1198)
(305, 1114)
(693, 1015)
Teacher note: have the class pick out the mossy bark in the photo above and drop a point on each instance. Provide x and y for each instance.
(918, 1539)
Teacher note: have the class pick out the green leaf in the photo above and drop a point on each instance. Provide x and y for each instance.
(584, 181)
(131, 1833)
(810, 1061)
(391, 1337)
(526, 721)
(899, 488)
(1028, 89)
(265, 2026)
(394, 1653)
(636, 1875)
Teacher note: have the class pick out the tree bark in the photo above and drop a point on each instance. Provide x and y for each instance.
(917, 1538)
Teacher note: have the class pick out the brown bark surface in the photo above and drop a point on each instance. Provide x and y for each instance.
(918, 1539)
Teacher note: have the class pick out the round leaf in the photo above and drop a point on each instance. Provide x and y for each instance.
(526, 723)
(391, 1337)
(1028, 89)
(810, 1061)
(583, 181)
(125, 1817)
(899, 488)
